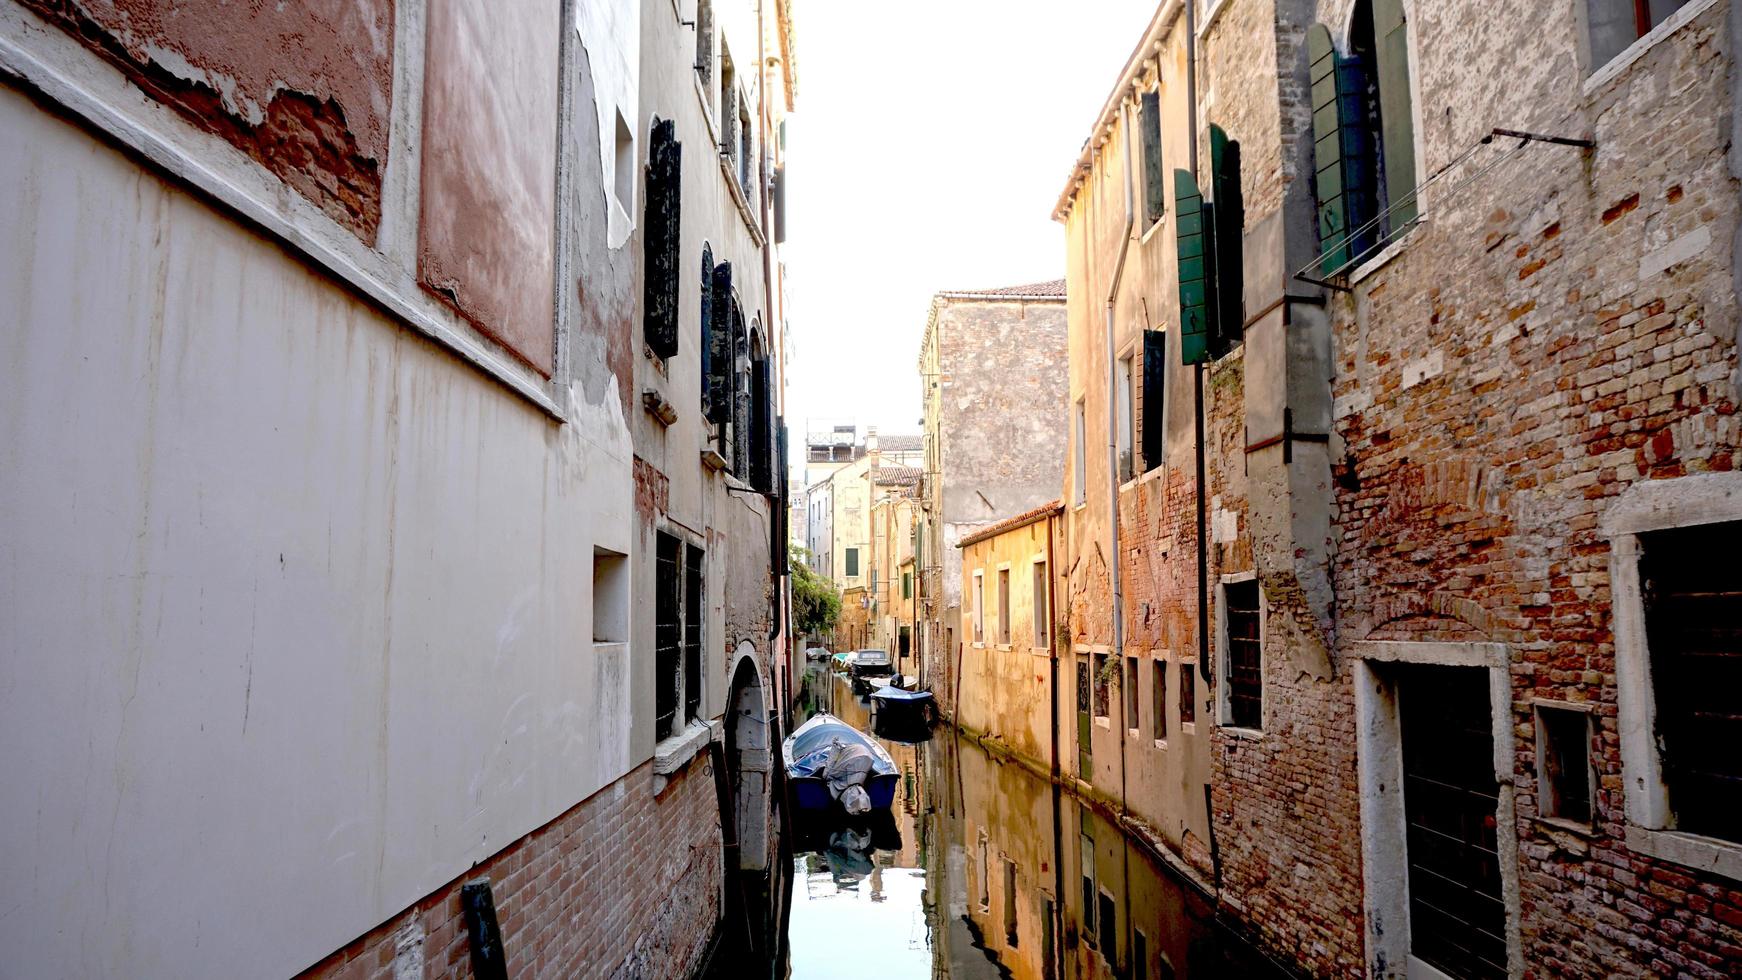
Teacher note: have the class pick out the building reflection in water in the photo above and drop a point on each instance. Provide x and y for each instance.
(984, 869)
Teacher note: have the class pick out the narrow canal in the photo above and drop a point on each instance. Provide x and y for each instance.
(982, 869)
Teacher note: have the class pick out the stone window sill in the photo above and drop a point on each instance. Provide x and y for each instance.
(1104, 723)
(1188, 728)
(1615, 66)
(676, 751)
(1691, 850)
(1563, 825)
(1391, 251)
(1161, 743)
(1004, 647)
(1251, 734)
(1154, 227)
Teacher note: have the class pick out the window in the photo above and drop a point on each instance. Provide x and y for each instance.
(1158, 699)
(1042, 633)
(1692, 606)
(1363, 134)
(761, 412)
(661, 239)
(716, 338)
(1614, 25)
(1209, 236)
(979, 609)
(1049, 971)
(1563, 762)
(1107, 924)
(1086, 854)
(623, 170)
(1078, 472)
(728, 108)
(1129, 683)
(692, 642)
(1126, 421)
(1154, 422)
(1188, 694)
(678, 618)
(1103, 681)
(1004, 606)
(985, 876)
(740, 442)
(1242, 656)
(907, 585)
(610, 596)
(852, 560)
(1149, 123)
(1139, 955)
(746, 154)
(1083, 684)
(705, 42)
(1010, 902)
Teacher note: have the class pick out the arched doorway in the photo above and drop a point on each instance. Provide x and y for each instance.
(748, 757)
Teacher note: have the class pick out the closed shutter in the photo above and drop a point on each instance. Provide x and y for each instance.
(1229, 239)
(1196, 269)
(1154, 176)
(719, 360)
(1396, 117)
(1344, 169)
(1154, 397)
(741, 464)
(707, 345)
(692, 631)
(660, 239)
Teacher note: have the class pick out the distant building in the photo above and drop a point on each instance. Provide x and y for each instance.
(993, 374)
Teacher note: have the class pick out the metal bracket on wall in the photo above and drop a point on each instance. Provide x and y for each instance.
(1287, 438)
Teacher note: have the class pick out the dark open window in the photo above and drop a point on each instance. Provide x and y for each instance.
(1149, 121)
(660, 239)
(1363, 134)
(1154, 394)
(1010, 937)
(852, 557)
(1188, 694)
(1613, 25)
(761, 416)
(1158, 699)
(1243, 668)
(1107, 923)
(1132, 703)
(692, 642)
(1563, 747)
(1103, 685)
(1693, 621)
(668, 635)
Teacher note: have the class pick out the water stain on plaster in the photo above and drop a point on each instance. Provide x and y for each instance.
(305, 89)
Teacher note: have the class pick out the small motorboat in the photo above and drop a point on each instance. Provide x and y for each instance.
(898, 709)
(830, 762)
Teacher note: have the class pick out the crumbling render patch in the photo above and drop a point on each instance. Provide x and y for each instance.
(305, 89)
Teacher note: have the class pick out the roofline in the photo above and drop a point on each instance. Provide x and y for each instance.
(994, 297)
(1022, 520)
(1140, 56)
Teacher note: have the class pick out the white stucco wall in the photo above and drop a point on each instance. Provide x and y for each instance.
(294, 604)
(610, 31)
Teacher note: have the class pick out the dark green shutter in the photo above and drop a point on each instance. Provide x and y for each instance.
(707, 344)
(1229, 240)
(1196, 268)
(1396, 118)
(1154, 176)
(660, 239)
(718, 374)
(1328, 171)
(1154, 397)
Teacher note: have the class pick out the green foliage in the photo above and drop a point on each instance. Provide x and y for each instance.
(816, 604)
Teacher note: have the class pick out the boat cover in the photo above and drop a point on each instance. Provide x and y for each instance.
(840, 755)
(897, 694)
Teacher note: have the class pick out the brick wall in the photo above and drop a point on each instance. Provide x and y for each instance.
(624, 884)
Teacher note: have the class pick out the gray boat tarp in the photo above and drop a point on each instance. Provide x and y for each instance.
(838, 754)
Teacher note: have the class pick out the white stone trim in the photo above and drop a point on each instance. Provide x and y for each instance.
(1615, 66)
(1223, 705)
(677, 750)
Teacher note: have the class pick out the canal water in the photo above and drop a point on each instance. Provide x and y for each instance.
(980, 869)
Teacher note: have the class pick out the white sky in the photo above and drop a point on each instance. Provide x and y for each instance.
(930, 142)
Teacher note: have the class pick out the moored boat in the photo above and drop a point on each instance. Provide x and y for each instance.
(895, 710)
(829, 761)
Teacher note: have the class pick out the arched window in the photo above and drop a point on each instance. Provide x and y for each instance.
(1363, 134)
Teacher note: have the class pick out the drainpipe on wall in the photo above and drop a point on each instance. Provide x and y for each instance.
(1115, 559)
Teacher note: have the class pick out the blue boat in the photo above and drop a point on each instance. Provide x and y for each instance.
(826, 759)
(895, 710)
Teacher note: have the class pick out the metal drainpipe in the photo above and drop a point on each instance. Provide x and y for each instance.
(1115, 559)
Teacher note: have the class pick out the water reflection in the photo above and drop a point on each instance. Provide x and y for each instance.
(983, 869)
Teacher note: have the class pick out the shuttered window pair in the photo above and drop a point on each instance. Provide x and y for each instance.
(1209, 236)
(1363, 135)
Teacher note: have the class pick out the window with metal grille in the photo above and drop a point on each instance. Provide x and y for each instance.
(1243, 655)
(1693, 623)
(1563, 763)
(660, 239)
(692, 642)
(1082, 683)
(1158, 699)
(1613, 25)
(668, 635)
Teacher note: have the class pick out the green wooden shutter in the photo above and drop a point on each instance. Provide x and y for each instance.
(1328, 184)
(1196, 268)
(1396, 117)
(1229, 240)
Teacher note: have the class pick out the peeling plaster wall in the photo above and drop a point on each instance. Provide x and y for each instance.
(300, 594)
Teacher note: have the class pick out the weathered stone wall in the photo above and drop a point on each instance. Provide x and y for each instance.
(587, 895)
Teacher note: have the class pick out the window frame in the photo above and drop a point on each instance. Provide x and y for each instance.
(1158, 687)
(1040, 603)
(1186, 697)
(1224, 692)
(1547, 794)
(850, 561)
(1080, 490)
(1600, 73)
(979, 608)
(1005, 604)
(1125, 415)
(1131, 690)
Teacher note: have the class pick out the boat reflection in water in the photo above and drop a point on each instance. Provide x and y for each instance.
(982, 869)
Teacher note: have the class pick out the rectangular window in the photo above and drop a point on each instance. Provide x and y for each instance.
(985, 876)
(1188, 693)
(667, 635)
(746, 152)
(1139, 955)
(661, 233)
(692, 632)
(1083, 684)
(1563, 763)
(1615, 24)
(852, 562)
(1125, 419)
(979, 607)
(1153, 425)
(1129, 684)
(728, 116)
(907, 585)
(1047, 940)
(1042, 634)
(1086, 854)
(1693, 605)
(1154, 176)
(705, 42)
(1078, 472)
(1107, 924)
(610, 596)
(1004, 606)
(1243, 655)
(1010, 902)
(1103, 683)
(1158, 699)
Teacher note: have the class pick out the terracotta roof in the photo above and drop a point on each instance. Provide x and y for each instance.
(1023, 519)
(1051, 289)
(897, 475)
(900, 444)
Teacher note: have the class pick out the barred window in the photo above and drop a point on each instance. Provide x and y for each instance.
(1243, 656)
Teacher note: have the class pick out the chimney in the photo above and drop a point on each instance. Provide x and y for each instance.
(870, 439)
